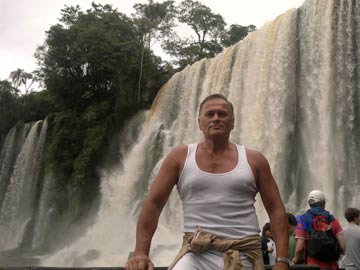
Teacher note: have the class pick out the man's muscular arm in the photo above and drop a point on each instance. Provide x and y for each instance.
(274, 207)
(149, 216)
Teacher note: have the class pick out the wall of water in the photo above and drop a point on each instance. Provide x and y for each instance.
(296, 90)
(21, 156)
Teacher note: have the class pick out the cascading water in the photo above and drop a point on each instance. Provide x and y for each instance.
(17, 208)
(9, 152)
(295, 85)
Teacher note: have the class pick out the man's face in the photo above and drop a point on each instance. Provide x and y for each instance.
(216, 118)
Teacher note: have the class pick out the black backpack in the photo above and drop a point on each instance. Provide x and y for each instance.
(322, 244)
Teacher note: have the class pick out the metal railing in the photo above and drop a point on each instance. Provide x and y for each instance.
(267, 267)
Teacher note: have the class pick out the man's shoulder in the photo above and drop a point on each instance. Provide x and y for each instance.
(250, 151)
(176, 158)
(179, 151)
(352, 227)
(255, 157)
(300, 222)
(336, 226)
(335, 220)
(181, 148)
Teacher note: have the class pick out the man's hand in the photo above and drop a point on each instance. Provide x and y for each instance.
(139, 262)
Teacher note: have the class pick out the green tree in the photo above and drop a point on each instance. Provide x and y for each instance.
(208, 28)
(24, 108)
(236, 33)
(89, 64)
(154, 21)
(20, 77)
(35, 106)
(8, 106)
(90, 57)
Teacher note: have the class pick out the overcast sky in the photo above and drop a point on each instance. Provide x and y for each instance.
(23, 22)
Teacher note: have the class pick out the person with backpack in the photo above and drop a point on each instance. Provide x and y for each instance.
(319, 235)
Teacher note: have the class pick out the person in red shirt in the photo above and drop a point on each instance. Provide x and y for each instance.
(317, 201)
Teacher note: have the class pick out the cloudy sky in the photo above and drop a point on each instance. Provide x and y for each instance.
(23, 22)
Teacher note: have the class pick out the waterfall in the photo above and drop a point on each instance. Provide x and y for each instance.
(10, 150)
(43, 215)
(19, 193)
(295, 87)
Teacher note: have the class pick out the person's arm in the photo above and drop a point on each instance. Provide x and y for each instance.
(274, 207)
(340, 238)
(338, 231)
(299, 250)
(148, 219)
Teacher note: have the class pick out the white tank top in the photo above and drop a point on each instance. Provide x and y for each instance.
(221, 203)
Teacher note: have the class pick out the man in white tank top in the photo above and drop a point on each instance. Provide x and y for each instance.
(217, 183)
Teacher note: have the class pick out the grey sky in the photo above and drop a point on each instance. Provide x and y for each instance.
(23, 22)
